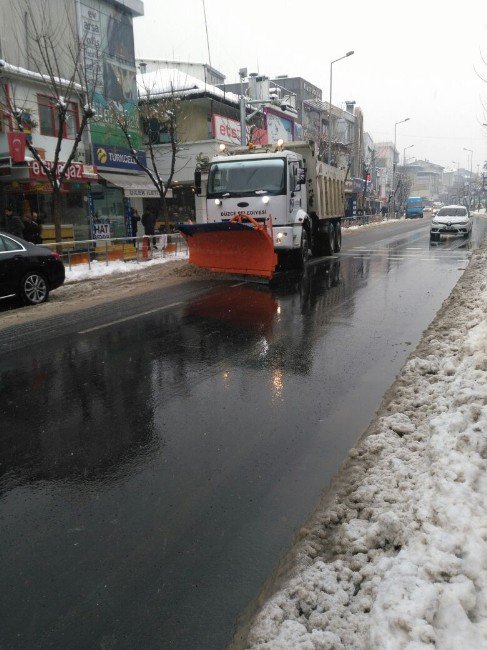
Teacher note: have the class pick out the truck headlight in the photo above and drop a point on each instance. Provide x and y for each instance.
(265, 199)
(218, 202)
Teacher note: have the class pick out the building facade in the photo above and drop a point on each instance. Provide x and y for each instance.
(102, 31)
(201, 71)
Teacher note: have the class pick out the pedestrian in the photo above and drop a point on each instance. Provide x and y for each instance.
(149, 223)
(134, 221)
(31, 229)
(14, 224)
(37, 227)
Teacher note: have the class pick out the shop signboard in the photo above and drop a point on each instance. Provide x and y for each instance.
(101, 230)
(107, 33)
(111, 157)
(226, 129)
(77, 172)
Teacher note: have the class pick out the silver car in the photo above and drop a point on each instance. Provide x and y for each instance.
(451, 220)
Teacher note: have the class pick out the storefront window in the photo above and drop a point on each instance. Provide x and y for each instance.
(109, 208)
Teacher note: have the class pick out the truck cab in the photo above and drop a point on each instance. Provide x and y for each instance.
(268, 186)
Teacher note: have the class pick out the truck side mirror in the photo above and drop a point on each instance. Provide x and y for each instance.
(302, 176)
(197, 182)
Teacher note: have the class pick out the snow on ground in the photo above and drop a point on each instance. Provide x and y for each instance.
(101, 269)
(395, 557)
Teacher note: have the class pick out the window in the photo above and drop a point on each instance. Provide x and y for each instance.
(7, 244)
(48, 118)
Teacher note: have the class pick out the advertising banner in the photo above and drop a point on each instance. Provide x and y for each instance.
(278, 126)
(109, 55)
(110, 157)
(226, 129)
(101, 230)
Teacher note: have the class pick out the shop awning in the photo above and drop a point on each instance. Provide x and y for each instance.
(133, 186)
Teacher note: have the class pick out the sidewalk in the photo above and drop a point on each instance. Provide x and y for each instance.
(396, 554)
(102, 269)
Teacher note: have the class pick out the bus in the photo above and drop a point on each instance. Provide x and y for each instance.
(414, 207)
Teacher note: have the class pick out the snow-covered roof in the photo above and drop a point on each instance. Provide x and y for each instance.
(17, 71)
(170, 81)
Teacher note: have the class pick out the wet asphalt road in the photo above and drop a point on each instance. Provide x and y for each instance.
(154, 470)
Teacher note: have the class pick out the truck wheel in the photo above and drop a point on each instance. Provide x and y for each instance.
(338, 237)
(304, 249)
(329, 240)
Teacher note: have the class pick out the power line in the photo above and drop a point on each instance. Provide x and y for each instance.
(206, 28)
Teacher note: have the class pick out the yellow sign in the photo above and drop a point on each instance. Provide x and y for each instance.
(102, 155)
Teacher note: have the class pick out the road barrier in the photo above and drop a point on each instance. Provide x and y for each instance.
(125, 249)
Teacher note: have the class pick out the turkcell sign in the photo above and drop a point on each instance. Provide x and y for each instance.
(110, 157)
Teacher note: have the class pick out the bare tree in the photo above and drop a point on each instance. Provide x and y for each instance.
(403, 187)
(58, 59)
(158, 114)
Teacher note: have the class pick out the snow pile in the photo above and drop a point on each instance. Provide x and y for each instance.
(101, 269)
(396, 555)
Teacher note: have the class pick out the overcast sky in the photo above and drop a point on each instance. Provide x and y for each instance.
(413, 59)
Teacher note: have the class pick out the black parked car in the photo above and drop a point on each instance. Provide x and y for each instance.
(27, 270)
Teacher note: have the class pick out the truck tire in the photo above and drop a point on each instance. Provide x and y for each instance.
(303, 252)
(338, 236)
(329, 240)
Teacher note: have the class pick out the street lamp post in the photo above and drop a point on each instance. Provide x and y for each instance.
(406, 119)
(242, 73)
(404, 154)
(329, 108)
(470, 177)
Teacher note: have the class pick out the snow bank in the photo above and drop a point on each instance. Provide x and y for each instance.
(102, 269)
(396, 555)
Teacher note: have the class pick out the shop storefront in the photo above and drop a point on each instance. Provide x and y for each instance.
(115, 195)
(26, 189)
(180, 206)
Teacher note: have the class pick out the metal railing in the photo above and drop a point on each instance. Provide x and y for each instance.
(363, 220)
(115, 249)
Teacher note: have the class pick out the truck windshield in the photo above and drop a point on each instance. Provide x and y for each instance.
(244, 177)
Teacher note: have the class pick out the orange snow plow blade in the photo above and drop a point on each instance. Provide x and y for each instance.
(241, 245)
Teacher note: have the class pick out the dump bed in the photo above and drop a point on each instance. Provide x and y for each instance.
(325, 185)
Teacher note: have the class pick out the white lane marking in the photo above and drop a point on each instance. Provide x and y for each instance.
(419, 259)
(239, 284)
(127, 318)
(406, 256)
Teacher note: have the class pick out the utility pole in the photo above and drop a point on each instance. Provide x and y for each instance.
(469, 178)
(406, 119)
(243, 113)
(329, 107)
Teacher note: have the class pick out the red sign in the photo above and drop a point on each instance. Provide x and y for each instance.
(16, 146)
(77, 172)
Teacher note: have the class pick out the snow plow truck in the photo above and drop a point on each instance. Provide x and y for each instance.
(268, 207)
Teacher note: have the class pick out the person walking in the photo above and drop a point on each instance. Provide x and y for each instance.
(37, 228)
(31, 229)
(134, 221)
(14, 224)
(149, 223)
